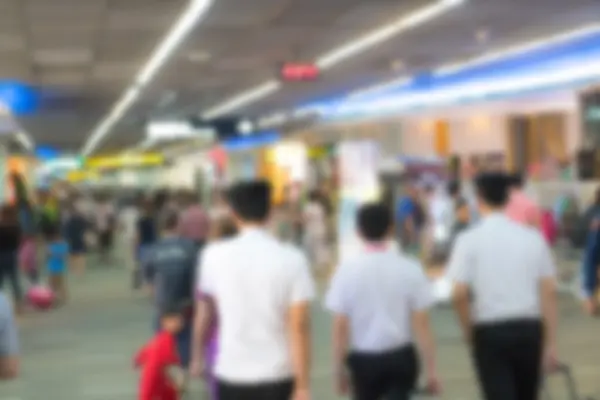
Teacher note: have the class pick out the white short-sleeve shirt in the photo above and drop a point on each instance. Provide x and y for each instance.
(254, 279)
(378, 291)
(503, 262)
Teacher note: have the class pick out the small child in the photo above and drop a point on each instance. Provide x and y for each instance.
(162, 377)
(57, 253)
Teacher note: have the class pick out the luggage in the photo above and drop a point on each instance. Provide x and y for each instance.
(571, 387)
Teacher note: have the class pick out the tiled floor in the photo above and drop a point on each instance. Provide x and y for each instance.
(84, 351)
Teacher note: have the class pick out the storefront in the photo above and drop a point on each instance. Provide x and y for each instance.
(521, 134)
(285, 166)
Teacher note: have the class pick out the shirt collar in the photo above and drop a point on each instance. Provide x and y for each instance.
(251, 231)
(376, 247)
(495, 216)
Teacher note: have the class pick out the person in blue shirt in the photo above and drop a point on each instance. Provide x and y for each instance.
(409, 218)
(57, 253)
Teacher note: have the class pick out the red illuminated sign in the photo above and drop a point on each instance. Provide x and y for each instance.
(299, 72)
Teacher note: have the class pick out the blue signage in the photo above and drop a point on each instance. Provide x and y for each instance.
(20, 98)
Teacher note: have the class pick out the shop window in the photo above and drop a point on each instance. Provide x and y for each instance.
(536, 140)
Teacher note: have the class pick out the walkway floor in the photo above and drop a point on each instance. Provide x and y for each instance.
(84, 351)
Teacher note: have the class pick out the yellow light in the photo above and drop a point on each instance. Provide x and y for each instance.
(81, 175)
(127, 160)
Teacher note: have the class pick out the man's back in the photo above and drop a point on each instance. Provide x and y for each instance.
(378, 291)
(254, 279)
(171, 265)
(503, 261)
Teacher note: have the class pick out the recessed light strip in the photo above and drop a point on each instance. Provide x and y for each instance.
(471, 91)
(373, 38)
(196, 10)
(522, 48)
(243, 99)
(343, 52)
(518, 49)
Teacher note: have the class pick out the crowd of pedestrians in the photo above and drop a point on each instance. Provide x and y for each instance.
(253, 294)
(232, 295)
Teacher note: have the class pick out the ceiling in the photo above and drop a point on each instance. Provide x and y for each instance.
(83, 54)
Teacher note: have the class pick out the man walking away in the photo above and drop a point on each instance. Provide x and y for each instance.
(262, 289)
(194, 223)
(506, 268)
(379, 298)
(169, 271)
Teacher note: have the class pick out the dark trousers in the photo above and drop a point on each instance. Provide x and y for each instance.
(508, 358)
(9, 270)
(282, 390)
(391, 375)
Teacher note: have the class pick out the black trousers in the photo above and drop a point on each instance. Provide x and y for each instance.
(281, 390)
(9, 270)
(508, 359)
(391, 375)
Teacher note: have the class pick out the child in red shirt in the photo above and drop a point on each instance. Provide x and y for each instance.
(158, 357)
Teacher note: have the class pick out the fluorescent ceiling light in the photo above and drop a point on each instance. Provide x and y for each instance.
(272, 120)
(243, 99)
(339, 54)
(404, 80)
(186, 22)
(382, 34)
(519, 49)
(25, 140)
(160, 131)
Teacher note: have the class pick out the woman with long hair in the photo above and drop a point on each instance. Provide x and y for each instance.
(10, 241)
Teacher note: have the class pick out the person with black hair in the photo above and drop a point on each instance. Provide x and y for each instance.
(262, 288)
(453, 189)
(379, 298)
(504, 293)
(146, 236)
(168, 270)
(10, 240)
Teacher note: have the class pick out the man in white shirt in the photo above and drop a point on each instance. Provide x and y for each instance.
(379, 298)
(259, 289)
(506, 269)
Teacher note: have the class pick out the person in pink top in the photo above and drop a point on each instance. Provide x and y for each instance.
(194, 222)
(522, 208)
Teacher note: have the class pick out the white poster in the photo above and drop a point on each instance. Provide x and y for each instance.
(358, 163)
